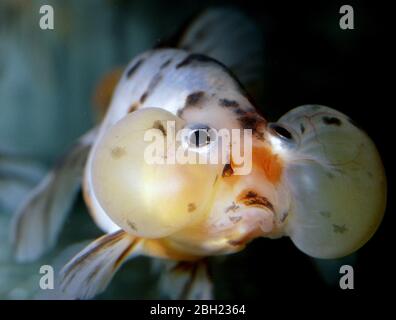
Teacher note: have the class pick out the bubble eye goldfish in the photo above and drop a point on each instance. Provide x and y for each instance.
(314, 177)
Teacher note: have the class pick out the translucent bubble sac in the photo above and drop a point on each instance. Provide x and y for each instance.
(336, 180)
(140, 190)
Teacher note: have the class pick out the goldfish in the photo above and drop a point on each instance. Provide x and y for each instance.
(314, 176)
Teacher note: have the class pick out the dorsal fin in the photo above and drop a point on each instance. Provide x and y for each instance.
(231, 37)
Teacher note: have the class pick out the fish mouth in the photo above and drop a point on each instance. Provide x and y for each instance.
(257, 221)
(258, 213)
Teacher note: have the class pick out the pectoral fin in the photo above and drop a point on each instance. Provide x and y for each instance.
(90, 271)
(40, 217)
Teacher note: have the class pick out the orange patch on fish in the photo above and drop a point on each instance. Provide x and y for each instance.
(269, 162)
(104, 91)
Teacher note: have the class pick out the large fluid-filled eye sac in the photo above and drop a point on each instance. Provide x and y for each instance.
(337, 183)
(141, 182)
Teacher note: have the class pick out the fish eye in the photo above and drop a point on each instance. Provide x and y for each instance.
(280, 131)
(282, 136)
(199, 136)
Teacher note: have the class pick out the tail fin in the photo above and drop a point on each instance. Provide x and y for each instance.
(187, 280)
(230, 37)
(90, 271)
(40, 217)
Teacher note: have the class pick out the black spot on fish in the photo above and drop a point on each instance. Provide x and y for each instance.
(326, 214)
(233, 207)
(235, 219)
(302, 128)
(251, 194)
(133, 68)
(251, 198)
(191, 207)
(228, 103)
(227, 170)
(332, 121)
(254, 123)
(339, 229)
(158, 125)
(131, 225)
(240, 112)
(165, 64)
(153, 83)
(117, 152)
(133, 107)
(194, 98)
(248, 122)
(143, 97)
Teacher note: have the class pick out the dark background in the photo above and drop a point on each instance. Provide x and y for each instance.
(308, 59)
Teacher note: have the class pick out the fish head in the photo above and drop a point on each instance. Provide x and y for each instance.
(312, 176)
(155, 173)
